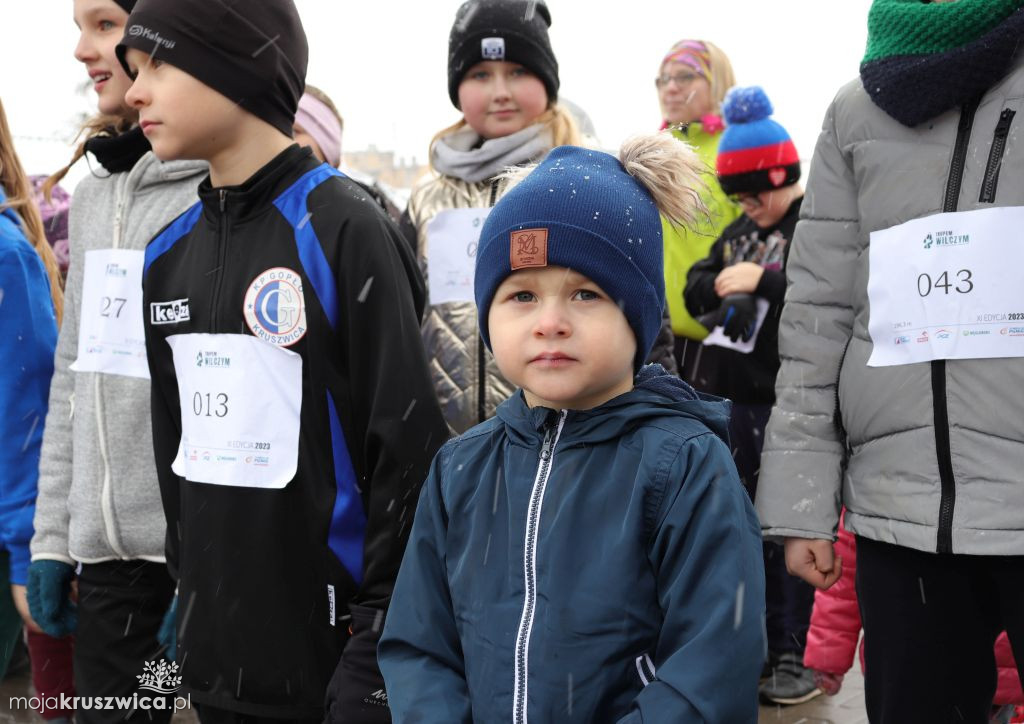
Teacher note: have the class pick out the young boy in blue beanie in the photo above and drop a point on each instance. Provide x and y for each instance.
(587, 555)
(293, 415)
(758, 165)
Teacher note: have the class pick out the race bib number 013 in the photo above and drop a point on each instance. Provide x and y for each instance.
(240, 400)
(110, 332)
(947, 287)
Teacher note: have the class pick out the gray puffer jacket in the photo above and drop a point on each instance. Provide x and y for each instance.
(98, 494)
(929, 455)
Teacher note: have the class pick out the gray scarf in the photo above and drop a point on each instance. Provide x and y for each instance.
(454, 155)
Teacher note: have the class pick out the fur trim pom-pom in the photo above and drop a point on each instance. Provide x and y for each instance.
(671, 171)
(744, 105)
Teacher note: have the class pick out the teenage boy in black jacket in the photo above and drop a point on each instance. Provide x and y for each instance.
(293, 415)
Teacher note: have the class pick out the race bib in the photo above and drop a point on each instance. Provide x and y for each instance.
(110, 331)
(947, 287)
(240, 401)
(453, 236)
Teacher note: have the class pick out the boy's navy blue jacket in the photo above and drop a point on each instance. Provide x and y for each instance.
(265, 575)
(582, 566)
(28, 338)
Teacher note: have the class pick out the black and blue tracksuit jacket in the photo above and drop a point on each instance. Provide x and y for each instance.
(265, 575)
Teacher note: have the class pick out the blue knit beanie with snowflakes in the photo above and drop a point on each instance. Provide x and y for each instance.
(581, 210)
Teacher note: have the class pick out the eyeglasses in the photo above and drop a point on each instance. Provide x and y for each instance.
(747, 199)
(681, 79)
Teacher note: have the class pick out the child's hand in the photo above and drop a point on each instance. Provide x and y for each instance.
(20, 595)
(813, 560)
(828, 683)
(741, 278)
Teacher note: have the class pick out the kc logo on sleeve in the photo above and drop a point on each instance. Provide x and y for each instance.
(169, 312)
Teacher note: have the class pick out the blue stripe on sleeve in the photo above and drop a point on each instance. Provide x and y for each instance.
(292, 205)
(348, 521)
(178, 228)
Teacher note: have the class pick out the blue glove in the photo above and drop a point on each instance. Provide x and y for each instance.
(168, 634)
(49, 597)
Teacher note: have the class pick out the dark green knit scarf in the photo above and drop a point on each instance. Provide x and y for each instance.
(913, 27)
(924, 59)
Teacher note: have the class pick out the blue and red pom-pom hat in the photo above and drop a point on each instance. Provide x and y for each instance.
(755, 153)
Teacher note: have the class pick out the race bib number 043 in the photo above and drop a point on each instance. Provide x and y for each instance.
(240, 400)
(947, 287)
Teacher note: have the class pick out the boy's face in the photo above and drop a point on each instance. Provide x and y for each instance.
(765, 208)
(182, 117)
(101, 25)
(557, 335)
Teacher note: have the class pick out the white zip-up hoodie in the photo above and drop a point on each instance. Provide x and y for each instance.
(98, 493)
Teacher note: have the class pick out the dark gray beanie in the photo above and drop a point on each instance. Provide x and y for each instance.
(515, 31)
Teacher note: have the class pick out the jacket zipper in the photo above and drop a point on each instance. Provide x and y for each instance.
(222, 244)
(547, 455)
(944, 537)
(956, 166)
(107, 489)
(481, 354)
(995, 157)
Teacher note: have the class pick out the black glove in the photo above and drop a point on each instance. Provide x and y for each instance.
(356, 691)
(738, 316)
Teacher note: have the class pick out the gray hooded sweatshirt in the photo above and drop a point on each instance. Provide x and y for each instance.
(98, 494)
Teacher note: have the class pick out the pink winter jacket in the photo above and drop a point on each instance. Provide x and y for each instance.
(835, 629)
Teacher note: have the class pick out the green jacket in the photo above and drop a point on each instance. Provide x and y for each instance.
(685, 247)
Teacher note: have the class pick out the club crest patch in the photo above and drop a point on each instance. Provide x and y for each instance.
(274, 307)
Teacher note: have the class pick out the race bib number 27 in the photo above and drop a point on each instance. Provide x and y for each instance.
(110, 331)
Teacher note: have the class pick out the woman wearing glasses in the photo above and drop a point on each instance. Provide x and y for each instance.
(692, 81)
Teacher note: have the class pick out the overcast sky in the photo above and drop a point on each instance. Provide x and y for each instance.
(384, 64)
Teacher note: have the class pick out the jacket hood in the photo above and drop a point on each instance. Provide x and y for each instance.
(149, 175)
(656, 394)
(150, 172)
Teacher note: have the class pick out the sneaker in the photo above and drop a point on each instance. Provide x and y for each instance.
(790, 682)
